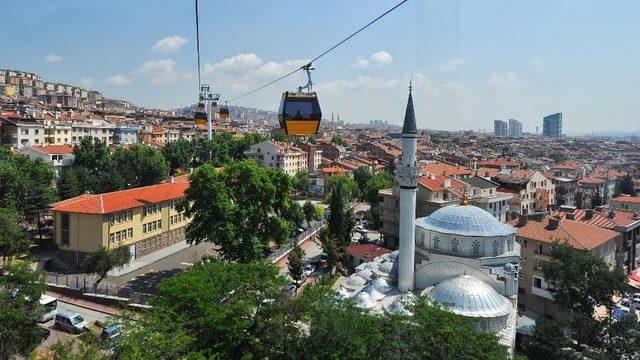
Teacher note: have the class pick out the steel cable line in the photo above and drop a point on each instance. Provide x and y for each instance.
(198, 44)
(319, 56)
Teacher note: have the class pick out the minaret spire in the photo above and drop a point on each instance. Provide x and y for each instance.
(407, 176)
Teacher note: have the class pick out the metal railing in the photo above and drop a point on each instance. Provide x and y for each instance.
(88, 286)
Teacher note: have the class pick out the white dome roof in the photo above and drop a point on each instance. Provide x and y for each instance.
(464, 220)
(364, 301)
(468, 296)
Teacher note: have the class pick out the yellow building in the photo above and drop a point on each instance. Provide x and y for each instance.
(143, 219)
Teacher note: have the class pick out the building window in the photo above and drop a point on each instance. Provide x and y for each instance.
(540, 249)
(496, 247)
(64, 229)
(510, 244)
(454, 245)
(476, 247)
(436, 242)
(537, 282)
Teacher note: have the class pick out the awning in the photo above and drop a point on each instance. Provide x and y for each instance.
(635, 277)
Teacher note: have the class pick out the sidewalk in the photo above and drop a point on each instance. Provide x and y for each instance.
(84, 303)
(148, 259)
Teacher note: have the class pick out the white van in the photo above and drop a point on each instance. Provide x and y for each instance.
(50, 305)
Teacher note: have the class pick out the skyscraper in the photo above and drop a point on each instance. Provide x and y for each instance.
(515, 128)
(552, 125)
(500, 128)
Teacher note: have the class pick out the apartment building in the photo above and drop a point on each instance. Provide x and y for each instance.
(58, 132)
(125, 135)
(17, 131)
(143, 219)
(536, 234)
(484, 194)
(314, 155)
(96, 128)
(331, 151)
(532, 191)
(279, 156)
(151, 134)
(55, 156)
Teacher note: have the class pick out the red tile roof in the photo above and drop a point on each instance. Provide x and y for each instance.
(576, 234)
(368, 251)
(122, 200)
(55, 149)
(591, 180)
(441, 168)
(498, 163)
(627, 199)
(437, 184)
(567, 165)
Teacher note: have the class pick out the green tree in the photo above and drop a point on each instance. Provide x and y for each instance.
(318, 212)
(362, 176)
(279, 136)
(219, 309)
(580, 281)
(12, 239)
(101, 261)
(309, 211)
(371, 192)
(74, 181)
(341, 219)
(179, 154)
(140, 165)
(241, 209)
(597, 200)
(373, 217)
(339, 141)
(101, 172)
(41, 194)
(626, 186)
(295, 262)
(548, 341)
(90, 348)
(300, 182)
(20, 310)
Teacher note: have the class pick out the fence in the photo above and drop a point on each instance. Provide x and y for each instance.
(88, 287)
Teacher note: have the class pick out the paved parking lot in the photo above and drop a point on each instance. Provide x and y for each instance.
(58, 335)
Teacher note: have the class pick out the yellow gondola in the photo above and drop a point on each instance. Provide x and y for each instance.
(200, 117)
(299, 113)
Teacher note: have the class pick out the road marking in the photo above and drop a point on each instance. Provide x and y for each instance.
(186, 264)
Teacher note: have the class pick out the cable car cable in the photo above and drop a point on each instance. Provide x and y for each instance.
(307, 65)
(198, 44)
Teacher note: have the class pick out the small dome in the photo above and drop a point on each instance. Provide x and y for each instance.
(509, 267)
(468, 296)
(381, 285)
(353, 282)
(388, 269)
(364, 301)
(374, 293)
(366, 274)
(465, 220)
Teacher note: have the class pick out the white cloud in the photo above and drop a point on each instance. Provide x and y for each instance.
(161, 72)
(361, 83)
(87, 82)
(503, 81)
(243, 72)
(53, 58)
(535, 62)
(378, 58)
(451, 65)
(119, 80)
(169, 44)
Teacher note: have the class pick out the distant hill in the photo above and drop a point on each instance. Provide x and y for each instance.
(235, 112)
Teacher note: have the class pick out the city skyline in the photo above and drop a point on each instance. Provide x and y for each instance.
(466, 69)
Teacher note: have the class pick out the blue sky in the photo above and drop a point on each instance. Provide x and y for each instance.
(472, 61)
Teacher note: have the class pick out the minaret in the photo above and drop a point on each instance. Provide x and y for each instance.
(407, 176)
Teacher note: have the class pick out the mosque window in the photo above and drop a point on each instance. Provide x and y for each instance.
(436, 242)
(454, 245)
(476, 247)
(510, 244)
(496, 247)
(423, 239)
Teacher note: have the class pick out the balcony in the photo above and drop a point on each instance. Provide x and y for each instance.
(541, 292)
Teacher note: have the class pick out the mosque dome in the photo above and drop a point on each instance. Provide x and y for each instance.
(468, 296)
(464, 220)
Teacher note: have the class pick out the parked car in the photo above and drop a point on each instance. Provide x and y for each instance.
(70, 321)
(309, 269)
(302, 280)
(289, 289)
(110, 333)
(360, 229)
(50, 304)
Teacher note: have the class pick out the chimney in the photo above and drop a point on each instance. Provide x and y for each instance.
(588, 214)
(447, 183)
(170, 180)
(553, 223)
(522, 220)
(612, 214)
(570, 216)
